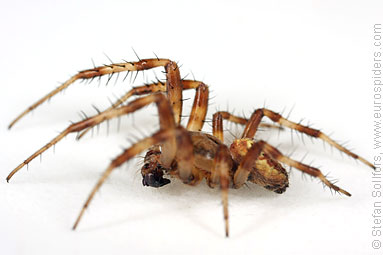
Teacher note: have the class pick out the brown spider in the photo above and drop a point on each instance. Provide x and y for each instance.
(186, 152)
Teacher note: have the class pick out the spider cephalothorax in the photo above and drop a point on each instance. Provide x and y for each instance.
(187, 153)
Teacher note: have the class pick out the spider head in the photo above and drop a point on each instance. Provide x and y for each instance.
(266, 171)
(152, 171)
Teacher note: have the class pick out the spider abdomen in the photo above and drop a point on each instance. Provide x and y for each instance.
(269, 174)
(266, 171)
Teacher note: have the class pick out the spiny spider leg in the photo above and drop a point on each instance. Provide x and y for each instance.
(221, 174)
(200, 99)
(254, 122)
(135, 91)
(252, 126)
(241, 175)
(218, 125)
(221, 169)
(165, 115)
(315, 172)
(183, 140)
(173, 81)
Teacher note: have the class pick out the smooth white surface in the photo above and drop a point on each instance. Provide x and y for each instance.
(313, 55)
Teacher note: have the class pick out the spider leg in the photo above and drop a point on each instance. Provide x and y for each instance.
(160, 87)
(141, 90)
(247, 164)
(174, 89)
(165, 116)
(253, 124)
(185, 156)
(218, 126)
(199, 109)
(221, 174)
(315, 172)
(158, 137)
(218, 123)
(173, 83)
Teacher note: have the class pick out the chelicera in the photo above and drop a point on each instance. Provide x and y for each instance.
(187, 153)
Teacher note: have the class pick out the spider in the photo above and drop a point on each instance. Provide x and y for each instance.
(187, 153)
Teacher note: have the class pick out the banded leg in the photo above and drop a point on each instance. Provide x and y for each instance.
(218, 118)
(315, 172)
(253, 124)
(218, 126)
(221, 174)
(153, 88)
(173, 83)
(200, 99)
(159, 137)
(165, 115)
(249, 161)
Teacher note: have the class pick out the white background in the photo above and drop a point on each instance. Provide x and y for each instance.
(315, 56)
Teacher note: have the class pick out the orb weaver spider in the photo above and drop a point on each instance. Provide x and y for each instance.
(187, 153)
